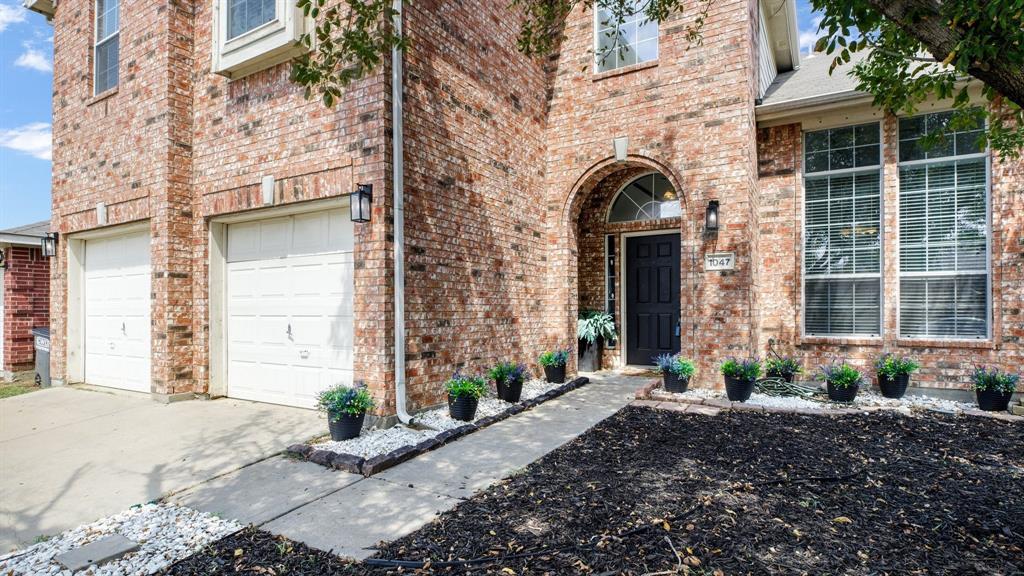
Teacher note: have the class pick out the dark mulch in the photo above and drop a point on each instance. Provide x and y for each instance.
(654, 491)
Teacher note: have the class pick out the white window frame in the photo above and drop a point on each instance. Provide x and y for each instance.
(990, 302)
(97, 41)
(618, 193)
(597, 44)
(266, 45)
(880, 275)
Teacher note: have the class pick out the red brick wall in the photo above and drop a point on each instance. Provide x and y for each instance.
(689, 116)
(943, 364)
(26, 305)
(475, 247)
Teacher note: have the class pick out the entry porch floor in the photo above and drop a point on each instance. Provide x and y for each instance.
(650, 491)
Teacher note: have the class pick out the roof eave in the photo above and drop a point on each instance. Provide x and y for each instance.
(19, 239)
(776, 110)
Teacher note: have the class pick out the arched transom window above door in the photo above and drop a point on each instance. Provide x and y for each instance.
(649, 197)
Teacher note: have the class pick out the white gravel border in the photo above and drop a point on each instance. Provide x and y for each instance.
(376, 442)
(864, 399)
(166, 533)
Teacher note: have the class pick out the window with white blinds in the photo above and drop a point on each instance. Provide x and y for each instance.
(944, 230)
(842, 231)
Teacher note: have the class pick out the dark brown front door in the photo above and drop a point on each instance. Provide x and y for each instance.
(652, 297)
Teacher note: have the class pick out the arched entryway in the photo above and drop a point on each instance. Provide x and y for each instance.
(630, 250)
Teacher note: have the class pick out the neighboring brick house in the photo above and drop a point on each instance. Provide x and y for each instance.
(24, 295)
(206, 246)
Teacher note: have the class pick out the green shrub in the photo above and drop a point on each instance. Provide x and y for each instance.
(782, 366)
(554, 358)
(890, 366)
(592, 325)
(745, 369)
(676, 364)
(842, 375)
(344, 400)
(466, 386)
(994, 379)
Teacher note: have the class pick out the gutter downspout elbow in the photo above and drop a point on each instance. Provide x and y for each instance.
(398, 203)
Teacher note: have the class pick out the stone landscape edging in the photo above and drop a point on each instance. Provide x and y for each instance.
(651, 396)
(370, 466)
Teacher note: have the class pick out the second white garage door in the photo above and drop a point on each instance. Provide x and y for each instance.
(289, 307)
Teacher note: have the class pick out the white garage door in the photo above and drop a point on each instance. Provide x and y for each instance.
(117, 312)
(289, 307)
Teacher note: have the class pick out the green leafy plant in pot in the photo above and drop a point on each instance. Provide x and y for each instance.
(740, 377)
(464, 393)
(593, 329)
(842, 381)
(553, 362)
(994, 388)
(676, 371)
(346, 410)
(894, 374)
(783, 367)
(508, 380)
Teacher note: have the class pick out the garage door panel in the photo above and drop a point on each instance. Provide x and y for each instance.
(292, 273)
(117, 300)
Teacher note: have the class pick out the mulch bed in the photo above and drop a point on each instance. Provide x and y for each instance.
(652, 491)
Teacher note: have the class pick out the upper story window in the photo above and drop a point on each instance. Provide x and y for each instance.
(842, 232)
(634, 41)
(944, 230)
(246, 15)
(251, 35)
(648, 197)
(106, 49)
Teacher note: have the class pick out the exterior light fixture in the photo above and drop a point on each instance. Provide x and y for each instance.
(621, 146)
(361, 203)
(48, 244)
(711, 217)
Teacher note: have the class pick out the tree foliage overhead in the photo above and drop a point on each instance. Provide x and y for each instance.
(917, 50)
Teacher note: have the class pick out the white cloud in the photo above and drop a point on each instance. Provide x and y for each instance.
(34, 58)
(809, 36)
(10, 14)
(33, 139)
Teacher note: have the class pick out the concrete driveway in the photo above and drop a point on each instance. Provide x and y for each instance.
(73, 455)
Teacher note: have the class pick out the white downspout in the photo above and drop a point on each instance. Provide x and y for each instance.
(398, 202)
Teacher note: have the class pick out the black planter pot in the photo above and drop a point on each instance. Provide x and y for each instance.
(555, 374)
(993, 400)
(738, 390)
(345, 426)
(589, 356)
(841, 394)
(893, 387)
(786, 376)
(673, 382)
(509, 391)
(462, 407)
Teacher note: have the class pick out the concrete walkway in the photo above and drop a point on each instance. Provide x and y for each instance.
(69, 455)
(349, 514)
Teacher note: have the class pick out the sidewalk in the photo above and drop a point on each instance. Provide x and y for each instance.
(349, 514)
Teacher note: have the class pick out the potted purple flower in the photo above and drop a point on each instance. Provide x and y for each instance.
(842, 380)
(464, 393)
(346, 409)
(508, 380)
(676, 371)
(553, 362)
(782, 367)
(894, 374)
(740, 377)
(994, 388)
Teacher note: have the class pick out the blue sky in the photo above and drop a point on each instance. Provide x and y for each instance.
(26, 78)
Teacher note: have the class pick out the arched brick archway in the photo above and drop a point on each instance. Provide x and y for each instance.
(581, 241)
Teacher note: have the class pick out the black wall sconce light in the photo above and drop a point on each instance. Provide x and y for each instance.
(361, 203)
(48, 244)
(711, 217)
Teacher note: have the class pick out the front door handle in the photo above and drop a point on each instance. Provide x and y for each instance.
(677, 328)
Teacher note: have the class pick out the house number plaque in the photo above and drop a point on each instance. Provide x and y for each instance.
(719, 261)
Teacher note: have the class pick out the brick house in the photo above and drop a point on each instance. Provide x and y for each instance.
(206, 245)
(24, 295)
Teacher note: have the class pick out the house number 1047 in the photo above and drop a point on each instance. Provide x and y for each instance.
(719, 261)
